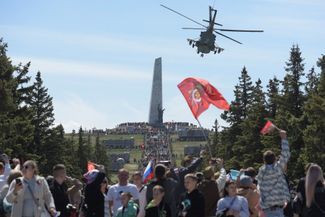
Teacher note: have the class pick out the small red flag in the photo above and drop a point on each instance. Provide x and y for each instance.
(199, 94)
(269, 126)
(90, 166)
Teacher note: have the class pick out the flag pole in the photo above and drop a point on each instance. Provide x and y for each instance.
(278, 129)
(205, 137)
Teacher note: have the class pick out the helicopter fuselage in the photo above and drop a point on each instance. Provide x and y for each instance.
(206, 43)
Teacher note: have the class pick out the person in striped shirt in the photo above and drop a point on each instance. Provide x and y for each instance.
(274, 192)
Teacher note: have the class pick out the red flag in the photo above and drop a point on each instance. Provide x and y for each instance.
(199, 94)
(90, 166)
(269, 126)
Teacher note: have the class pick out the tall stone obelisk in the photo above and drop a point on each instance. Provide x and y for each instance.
(156, 106)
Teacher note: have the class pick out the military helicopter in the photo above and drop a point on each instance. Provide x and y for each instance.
(206, 43)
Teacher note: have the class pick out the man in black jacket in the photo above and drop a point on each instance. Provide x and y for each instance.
(59, 189)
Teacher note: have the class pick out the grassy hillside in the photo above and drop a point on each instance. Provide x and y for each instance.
(177, 147)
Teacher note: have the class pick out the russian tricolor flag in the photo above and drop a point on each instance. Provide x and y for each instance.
(148, 172)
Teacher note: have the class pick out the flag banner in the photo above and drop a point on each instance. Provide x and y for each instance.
(148, 173)
(269, 126)
(199, 94)
(90, 166)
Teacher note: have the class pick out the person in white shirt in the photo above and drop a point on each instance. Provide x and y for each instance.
(115, 191)
(4, 170)
(137, 180)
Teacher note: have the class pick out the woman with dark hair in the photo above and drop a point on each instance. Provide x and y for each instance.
(232, 204)
(315, 192)
(94, 195)
(157, 207)
(30, 195)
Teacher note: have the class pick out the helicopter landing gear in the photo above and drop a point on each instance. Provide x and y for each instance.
(193, 45)
(215, 52)
(202, 55)
(198, 51)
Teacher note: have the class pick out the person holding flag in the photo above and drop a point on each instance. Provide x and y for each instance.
(273, 188)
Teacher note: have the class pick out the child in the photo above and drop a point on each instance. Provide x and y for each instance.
(128, 208)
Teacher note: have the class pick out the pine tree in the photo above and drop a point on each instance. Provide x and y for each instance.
(273, 97)
(243, 98)
(43, 119)
(246, 89)
(290, 111)
(312, 82)
(7, 81)
(248, 146)
(236, 116)
(293, 97)
(55, 150)
(82, 154)
(101, 155)
(15, 116)
(97, 149)
(314, 133)
(215, 149)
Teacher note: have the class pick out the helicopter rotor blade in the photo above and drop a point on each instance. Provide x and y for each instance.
(240, 30)
(228, 37)
(218, 24)
(194, 28)
(214, 15)
(183, 15)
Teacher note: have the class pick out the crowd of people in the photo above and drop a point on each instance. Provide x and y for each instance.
(156, 147)
(173, 192)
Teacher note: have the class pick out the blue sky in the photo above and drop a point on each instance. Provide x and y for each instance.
(96, 57)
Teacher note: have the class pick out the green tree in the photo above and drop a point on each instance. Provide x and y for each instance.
(101, 154)
(314, 133)
(15, 117)
(215, 149)
(248, 146)
(55, 150)
(235, 117)
(82, 154)
(243, 98)
(290, 112)
(43, 116)
(312, 82)
(293, 96)
(273, 97)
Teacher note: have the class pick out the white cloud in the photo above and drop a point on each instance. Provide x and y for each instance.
(116, 44)
(73, 112)
(84, 69)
